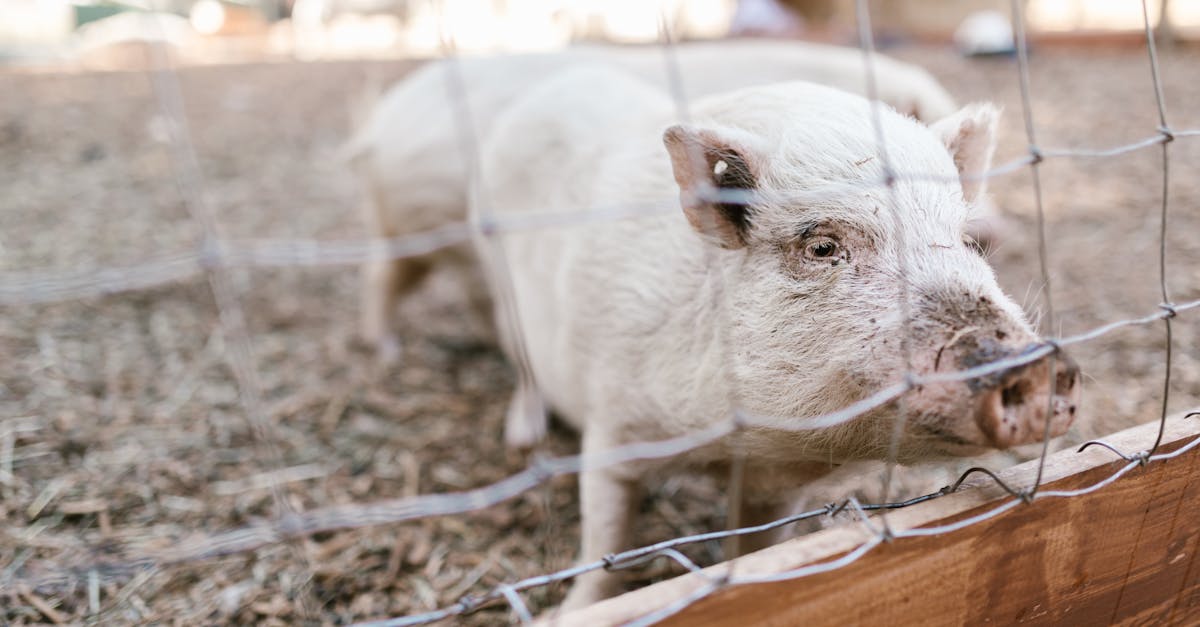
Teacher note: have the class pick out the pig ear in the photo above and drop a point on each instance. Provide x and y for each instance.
(970, 136)
(706, 161)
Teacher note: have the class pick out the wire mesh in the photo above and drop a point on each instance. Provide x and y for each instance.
(217, 254)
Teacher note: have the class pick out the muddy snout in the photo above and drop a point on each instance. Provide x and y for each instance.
(1017, 408)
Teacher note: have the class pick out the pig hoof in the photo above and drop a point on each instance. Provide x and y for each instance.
(388, 350)
(525, 423)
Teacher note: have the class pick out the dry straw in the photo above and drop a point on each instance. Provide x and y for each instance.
(218, 254)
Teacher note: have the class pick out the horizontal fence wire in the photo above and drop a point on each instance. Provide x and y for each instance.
(639, 555)
(1167, 311)
(217, 254)
(50, 286)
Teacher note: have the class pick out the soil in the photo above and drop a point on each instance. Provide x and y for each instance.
(121, 426)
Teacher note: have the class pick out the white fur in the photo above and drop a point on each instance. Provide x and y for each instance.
(656, 326)
(409, 151)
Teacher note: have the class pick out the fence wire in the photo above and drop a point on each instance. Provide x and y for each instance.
(217, 254)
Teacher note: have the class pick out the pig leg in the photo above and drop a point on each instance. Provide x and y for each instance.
(525, 422)
(608, 498)
(383, 281)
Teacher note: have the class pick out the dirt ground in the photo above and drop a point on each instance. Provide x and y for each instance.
(121, 430)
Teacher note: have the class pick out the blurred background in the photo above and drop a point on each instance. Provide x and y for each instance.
(123, 428)
(103, 33)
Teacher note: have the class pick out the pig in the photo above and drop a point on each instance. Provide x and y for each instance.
(780, 306)
(409, 150)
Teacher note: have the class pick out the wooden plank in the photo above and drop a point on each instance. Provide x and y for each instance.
(1187, 593)
(1124, 554)
(1165, 554)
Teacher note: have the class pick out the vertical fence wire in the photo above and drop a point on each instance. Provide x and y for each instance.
(527, 397)
(1035, 154)
(238, 345)
(482, 216)
(189, 181)
(737, 466)
(866, 42)
(1165, 130)
(214, 260)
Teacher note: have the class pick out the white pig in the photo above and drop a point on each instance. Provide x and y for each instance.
(409, 151)
(783, 308)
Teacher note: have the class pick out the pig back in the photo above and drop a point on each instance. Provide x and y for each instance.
(412, 146)
(587, 139)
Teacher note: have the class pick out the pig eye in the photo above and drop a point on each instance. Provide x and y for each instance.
(822, 248)
(972, 244)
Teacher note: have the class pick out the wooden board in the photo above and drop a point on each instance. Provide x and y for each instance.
(1124, 554)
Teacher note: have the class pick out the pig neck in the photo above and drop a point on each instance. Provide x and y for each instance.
(668, 342)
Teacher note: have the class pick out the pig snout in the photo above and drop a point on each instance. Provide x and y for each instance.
(1022, 405)
(999, 410)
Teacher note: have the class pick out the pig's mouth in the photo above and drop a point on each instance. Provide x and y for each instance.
(946, 443)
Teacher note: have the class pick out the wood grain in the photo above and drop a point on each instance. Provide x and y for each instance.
(1125, 554)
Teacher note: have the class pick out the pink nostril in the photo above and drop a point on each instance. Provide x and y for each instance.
(1024, 407)
(993, 417)
(1066, 375)
(1067, 380)
(1014, 394)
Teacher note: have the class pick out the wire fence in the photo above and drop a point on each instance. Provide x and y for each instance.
(218, 254)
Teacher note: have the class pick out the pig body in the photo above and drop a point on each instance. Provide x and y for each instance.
(784, 307)
(410, 150)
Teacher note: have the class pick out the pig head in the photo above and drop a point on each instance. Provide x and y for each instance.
(844, 274)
